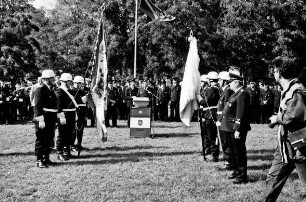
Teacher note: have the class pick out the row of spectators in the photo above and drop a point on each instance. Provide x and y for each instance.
(16, 107)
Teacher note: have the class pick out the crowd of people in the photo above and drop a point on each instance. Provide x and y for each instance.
(16, 98)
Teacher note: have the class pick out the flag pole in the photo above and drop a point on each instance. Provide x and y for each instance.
(135, 43)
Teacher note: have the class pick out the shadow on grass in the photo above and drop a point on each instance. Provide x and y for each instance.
(256, 151)
(174, 135)
(261, 154)
(163, 126)
(264, 166)
(255, 177)
(126, 157)
(117, 148)
(17, 154)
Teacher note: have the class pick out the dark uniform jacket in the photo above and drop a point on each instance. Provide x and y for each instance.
(112, 96)
(225, 95)
(64, 101)
(78, 94)
(267, 95)
(175, 93)
(163, 96)
(236, 111)
(210, 97)
(44, 98)
(129, 93)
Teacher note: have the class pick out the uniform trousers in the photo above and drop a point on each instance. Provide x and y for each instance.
(238, 155)
(65, 132)
(225, 139)
(45, 136)
(209, 137)
(278, 175)
(174, 111)
(79, 127)
(163, 111)
(111, 113)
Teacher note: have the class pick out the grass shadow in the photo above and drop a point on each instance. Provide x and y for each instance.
(117, 148)
(255, 177)
(263, 166)
(173, 135)
(261, 154)
(256, 151)
(17, 154)
(127, 157)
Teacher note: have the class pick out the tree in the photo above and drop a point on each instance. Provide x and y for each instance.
(18, 47)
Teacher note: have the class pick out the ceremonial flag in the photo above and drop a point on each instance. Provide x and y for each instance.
(99, 81)
(154, 12)
(190, 84)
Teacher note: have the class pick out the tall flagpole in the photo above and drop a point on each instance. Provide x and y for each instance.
(135, 48)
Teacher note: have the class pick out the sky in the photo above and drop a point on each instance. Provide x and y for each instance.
(47, 4)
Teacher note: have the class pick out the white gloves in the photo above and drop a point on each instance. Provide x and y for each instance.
(84, 99)
(41, 124)
(41, 121)
(76, 116)
(218, 123)
(61, 117)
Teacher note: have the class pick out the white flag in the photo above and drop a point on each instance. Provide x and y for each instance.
(190, 84)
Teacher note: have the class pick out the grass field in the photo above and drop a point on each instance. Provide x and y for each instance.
(167, 168)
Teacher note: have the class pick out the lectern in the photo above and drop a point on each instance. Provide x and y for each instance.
(140, 117)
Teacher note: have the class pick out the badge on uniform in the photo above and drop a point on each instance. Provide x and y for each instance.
(20, 99)
(140, 122)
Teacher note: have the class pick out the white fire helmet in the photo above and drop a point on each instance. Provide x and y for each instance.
(224, 76)
(78, 79)
(204, 78)
(66, 77)
(212, 75)
(48, 73)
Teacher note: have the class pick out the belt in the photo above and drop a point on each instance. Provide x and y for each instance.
(208, 108)
(50, 110)
(82, 105)
(219, 112)
(69, 110)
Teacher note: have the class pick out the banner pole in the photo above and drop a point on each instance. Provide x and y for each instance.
(135, 43)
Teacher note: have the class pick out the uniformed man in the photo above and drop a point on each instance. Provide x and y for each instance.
(45, 117)
(224, 128)
(78, 93)
(163, 101)
(129, 93)
(209, 103)
(175, 100)
(142, 91)
(119, 92)
(67, 116)
(204, 136)
(111, 104)
(236, 114)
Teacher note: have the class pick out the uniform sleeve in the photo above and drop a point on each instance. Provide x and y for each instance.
(60, 99)
(241, 110)
(38, 109)
(295, 111)
(209, 98)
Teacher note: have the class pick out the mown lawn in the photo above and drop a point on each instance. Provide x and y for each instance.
(167, 168)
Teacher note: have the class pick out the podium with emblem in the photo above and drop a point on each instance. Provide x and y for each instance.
(140, 118)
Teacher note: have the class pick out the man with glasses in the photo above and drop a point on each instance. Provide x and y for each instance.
(291, 118)
(236, 113)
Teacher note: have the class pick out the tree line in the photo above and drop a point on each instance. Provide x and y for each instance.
(248, 34)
